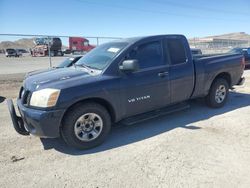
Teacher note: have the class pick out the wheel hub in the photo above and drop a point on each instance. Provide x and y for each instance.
(88, 127)
(220, 94)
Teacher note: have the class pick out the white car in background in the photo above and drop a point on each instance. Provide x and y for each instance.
(11, 52)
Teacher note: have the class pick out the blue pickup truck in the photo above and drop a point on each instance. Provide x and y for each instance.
(127, 80)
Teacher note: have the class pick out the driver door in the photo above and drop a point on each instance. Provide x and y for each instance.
(148, 88)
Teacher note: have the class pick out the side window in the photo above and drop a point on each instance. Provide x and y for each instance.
(148, 55)
(86, 43)
(176, 51)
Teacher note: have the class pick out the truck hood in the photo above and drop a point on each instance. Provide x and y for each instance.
(57, 78)
(36, 72)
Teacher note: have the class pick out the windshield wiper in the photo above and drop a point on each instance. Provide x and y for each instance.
(85, 66)
(88, 67)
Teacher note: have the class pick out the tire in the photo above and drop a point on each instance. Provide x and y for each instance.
(218, 93)
(75, 131)
(59, 53)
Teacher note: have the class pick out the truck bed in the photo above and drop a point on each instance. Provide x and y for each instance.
(195, 57)
(207, 67)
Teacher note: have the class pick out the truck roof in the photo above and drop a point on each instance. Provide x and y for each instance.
(136, 39)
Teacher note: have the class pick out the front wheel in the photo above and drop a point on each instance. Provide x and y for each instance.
(86, 126)
(218, 93)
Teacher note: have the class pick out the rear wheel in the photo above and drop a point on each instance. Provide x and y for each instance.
(218, 93)
(86, 126)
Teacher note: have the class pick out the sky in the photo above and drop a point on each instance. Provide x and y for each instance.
(193, 18)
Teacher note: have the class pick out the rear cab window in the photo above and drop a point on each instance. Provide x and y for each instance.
(176, 51)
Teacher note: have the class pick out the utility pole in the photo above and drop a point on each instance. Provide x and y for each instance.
(97, 41)
(49, 44)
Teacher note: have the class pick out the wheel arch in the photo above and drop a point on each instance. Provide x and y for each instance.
(224, 75)
(100, 101)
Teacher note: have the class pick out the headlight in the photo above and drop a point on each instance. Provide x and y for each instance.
(45, 97)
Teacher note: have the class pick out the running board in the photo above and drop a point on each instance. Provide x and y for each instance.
(156, 113)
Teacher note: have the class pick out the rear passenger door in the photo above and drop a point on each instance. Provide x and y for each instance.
(181, 69)
(147, 88)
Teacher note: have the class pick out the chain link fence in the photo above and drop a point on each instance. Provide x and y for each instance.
(24, 53)
(214, 46)
(46, 47)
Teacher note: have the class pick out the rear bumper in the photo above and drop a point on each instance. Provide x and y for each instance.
(36, 122)
(241, 81)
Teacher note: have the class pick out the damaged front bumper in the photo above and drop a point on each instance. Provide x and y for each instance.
(16, 120)
(41, 123)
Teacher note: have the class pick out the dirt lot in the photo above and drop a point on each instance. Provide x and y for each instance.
(199, 147)
(13, 70)
(13, 65)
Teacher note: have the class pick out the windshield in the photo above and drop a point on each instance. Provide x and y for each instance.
(100, 57)
(10, 50)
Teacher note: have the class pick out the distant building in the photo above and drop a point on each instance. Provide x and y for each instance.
(221, 43)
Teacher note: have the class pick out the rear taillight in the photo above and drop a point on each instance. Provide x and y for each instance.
(243, 62)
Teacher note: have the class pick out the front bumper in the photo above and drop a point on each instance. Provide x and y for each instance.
(36, 122)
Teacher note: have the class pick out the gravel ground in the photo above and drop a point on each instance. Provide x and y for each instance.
(198, 147)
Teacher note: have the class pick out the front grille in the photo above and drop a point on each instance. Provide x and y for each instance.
(28, 98)
(25, 96)
(20, 93)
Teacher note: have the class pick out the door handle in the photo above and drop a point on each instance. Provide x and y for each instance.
(162, 74)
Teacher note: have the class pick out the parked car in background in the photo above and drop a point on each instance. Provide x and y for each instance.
(68, 62)
(11, 52)
(245, 52)
(24, 52)
(196, 51)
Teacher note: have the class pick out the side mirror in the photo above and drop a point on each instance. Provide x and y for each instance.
(129, 65)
